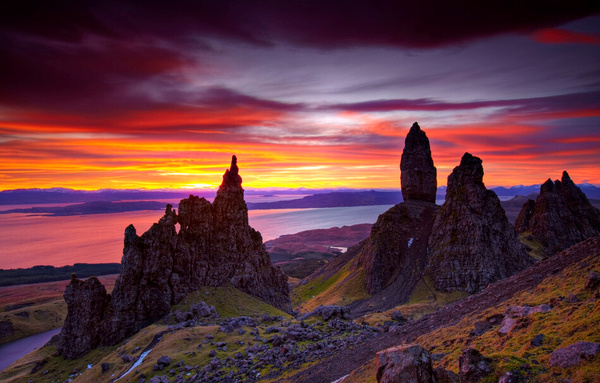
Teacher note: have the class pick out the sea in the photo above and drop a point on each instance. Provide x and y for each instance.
(29, 240)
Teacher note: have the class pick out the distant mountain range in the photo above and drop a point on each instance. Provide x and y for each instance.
(314, 198)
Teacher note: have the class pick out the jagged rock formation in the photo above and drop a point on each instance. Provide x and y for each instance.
(394, 255)
(560, 217)
(215, 246)
(417, 173)
(397, 247)
(87, 301)
(472, 243)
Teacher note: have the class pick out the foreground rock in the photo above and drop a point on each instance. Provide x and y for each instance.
(472, 366)
(574, 354)
(472, 243)
(406, 364)
(215, 246)
(410, 364)
(560, 217)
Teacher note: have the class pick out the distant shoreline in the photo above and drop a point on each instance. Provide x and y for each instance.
(43, 274)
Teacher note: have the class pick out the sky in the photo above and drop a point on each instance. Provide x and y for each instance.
(315, 94)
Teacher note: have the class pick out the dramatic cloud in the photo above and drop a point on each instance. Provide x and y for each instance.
(307, 93)
(564, 36)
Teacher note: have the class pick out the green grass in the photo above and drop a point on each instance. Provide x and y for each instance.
(344, 287)
(179, 345)
(229, 302)
(537, 249)
(565, 324)
(35, 319)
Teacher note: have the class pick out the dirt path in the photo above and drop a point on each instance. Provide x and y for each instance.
(346, 361)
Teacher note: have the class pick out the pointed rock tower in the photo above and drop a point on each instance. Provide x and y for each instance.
(395, 254)
(472, 242)
(560, 217)
(215, 246)
(418, 176)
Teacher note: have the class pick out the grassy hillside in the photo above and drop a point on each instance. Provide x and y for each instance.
(180, 343)
(575, 316)
(36, 308)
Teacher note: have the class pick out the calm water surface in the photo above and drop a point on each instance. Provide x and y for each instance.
(98, 238)
(12, 351)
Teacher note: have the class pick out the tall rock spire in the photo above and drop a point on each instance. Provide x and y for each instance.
(418, 177)
(472, 243)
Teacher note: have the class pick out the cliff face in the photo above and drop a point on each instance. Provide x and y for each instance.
(560, 217)
(472, 243)
(215, 246)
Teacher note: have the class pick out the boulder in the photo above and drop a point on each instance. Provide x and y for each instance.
(472, 243)
(593, 280)
(574, 354)
(201, 309)
(472, 366)
(163, 361)
(445, 376)
(404, 364)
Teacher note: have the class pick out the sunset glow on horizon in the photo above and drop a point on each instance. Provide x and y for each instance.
(91, 98)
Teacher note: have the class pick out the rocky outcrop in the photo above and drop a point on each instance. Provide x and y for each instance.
(418, 176)
(472, 243)
(215, 246)
(396, 251)
(395, 254)
(87, 303)
(560, 217)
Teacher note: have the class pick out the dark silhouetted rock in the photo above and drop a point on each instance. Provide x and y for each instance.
(398, 317)
(396, 251)
(522, 221)
(561, 216)
(445, 376)
(472, 243)
(163, 361)
(593, 280)
(418, 175)
(406, 364)
(574, 354)
(537, 340)
(215, 246)
(472, 366)
(87, 304)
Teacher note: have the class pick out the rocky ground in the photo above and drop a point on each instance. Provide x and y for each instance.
(345, 362)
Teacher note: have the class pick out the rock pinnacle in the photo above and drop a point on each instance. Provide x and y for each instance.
(418, 175)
